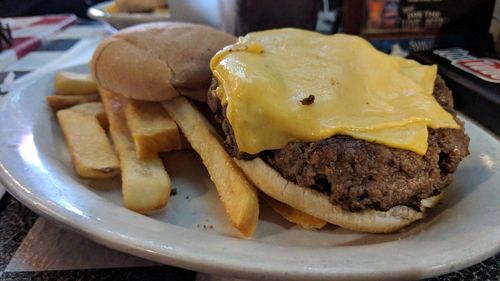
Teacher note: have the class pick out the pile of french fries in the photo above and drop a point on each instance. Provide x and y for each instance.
(138, 132)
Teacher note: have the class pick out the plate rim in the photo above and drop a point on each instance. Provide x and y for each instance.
(40, 206)
(94, 11)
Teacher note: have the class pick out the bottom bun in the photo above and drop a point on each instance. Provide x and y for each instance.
(317, 204)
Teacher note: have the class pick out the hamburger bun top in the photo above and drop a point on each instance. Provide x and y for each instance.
(158, 61)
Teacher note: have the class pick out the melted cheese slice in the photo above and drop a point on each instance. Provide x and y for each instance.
(359, 91)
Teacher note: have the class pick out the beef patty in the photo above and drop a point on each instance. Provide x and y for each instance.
(357, 174)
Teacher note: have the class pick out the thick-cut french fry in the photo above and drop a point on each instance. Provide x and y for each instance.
(70, 83)
(145, 184)
(152, 129)
(91, 152)
(238, 195)
(62, 102)
(95, 109)
(293, 215)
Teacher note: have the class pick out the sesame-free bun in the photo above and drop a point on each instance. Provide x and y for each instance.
(316, 203)
(158, 61)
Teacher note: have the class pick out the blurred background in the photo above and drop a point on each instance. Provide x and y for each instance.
(442, 32)
(397, 26)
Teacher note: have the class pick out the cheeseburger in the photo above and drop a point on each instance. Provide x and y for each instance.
(335, 128)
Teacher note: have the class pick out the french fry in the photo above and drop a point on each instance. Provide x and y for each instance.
(238, 195)
(145, 184)
(293, 215)
(152, 129)
(95, 109)
(90, 150)
(62, 102)
(70, 83)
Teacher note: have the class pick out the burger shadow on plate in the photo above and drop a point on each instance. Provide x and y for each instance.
(467, 179)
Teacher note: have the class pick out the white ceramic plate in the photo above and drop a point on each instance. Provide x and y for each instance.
(122, 20)
(192, 232)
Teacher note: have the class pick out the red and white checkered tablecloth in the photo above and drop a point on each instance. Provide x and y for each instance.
(29, 32)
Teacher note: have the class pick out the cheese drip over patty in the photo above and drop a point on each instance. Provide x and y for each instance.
(358, 91)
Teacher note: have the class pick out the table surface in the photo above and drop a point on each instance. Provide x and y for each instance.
(33, 248)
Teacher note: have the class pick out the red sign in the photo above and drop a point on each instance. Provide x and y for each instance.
(484, 68)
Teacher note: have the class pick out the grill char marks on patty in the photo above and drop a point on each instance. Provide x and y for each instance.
(357, 174)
